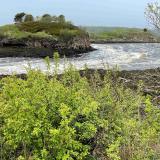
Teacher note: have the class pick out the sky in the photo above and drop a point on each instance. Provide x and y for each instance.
(124, 13)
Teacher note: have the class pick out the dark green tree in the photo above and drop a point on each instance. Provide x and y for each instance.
(145, 29)
(61, 18)
(46, 18)
(19, 17)
(28, 18)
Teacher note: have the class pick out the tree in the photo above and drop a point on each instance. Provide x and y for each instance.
(145, 29)
(153, 14)
(61, 18)
(28, 18)
(19, 17)
(46, 18)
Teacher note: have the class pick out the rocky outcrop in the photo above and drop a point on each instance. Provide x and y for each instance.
(74, 46)
(78, 45)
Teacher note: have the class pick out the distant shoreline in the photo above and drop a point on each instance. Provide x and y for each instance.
(114, 42)
(122, 35)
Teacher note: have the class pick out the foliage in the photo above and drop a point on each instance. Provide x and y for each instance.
(68, 117)
(61, 19)
(118, 33)
(53, 28)
(46, 18)
(19, 17)
(66, 34)
(153, 14)
(46, 26)
(145, 29)
(28, 18)
(39, 30)
(12, 31)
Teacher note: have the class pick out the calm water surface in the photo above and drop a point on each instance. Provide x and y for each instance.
(125, 56)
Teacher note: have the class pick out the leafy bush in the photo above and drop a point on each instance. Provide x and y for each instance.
(52, 28)
(69, 117)
(28, 18)
(12, 31)
(67, 35)
(40, 29)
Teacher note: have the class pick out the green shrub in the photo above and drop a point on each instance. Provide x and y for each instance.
(39, 29)
(12, 31)
(66, 35)
(28, 18)
(52, 28)
(70, 117)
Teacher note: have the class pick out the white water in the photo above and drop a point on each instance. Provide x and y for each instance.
(125, 56)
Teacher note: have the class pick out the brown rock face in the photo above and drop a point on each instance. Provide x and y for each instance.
(74, 46)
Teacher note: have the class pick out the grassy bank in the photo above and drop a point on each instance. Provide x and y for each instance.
(63, 37)
(73, 117)
(39, 30)
(113, 34)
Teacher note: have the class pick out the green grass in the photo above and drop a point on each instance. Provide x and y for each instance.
(40, 30)
(119, 33)
(12, 31)
(94, 29)
(51, 28)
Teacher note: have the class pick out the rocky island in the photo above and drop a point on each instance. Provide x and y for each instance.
(51, 33)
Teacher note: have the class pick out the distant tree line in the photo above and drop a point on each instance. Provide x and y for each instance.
(23, 17)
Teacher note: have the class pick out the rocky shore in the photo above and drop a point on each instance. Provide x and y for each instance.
(42, 47)
(149, 80)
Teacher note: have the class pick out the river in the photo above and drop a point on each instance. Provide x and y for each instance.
(126, 56)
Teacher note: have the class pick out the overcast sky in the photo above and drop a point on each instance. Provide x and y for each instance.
(81, 12)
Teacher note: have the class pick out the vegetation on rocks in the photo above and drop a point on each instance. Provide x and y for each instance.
(47, 31)
(46, 26)
(13, 32)
(69, 117)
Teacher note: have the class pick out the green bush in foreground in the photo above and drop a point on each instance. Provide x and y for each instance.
(71, 117)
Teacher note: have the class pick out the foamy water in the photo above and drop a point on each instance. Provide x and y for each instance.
(125, 56)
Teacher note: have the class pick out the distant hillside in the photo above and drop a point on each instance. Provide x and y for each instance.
(98, 29)
(121, 34)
